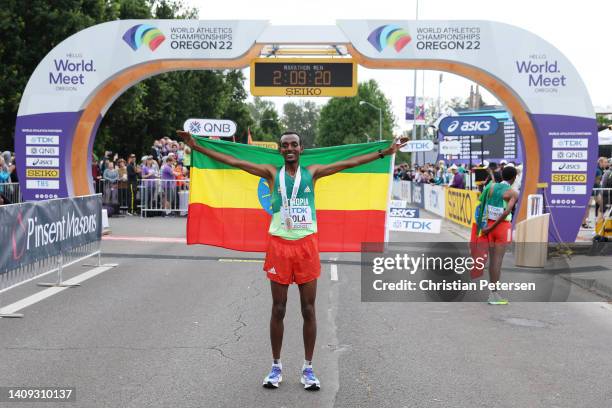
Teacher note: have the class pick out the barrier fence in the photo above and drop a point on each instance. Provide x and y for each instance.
(11, 192)
(42, 237)
(149, 197)
(164, 197)
(453, 204)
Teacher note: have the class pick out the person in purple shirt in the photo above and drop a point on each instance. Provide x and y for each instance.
(458, 181)
(169, 183)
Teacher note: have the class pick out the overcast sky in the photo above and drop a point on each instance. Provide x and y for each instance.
(581, 30)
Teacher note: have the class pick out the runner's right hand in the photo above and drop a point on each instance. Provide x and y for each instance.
(187, 138)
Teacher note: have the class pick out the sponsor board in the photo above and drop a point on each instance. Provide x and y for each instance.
(435, 199)
(210, 127)
(460, 205)
(42, 139)
(42, 150)
(569, 166)
(403, 212)
(267, 145)
(42, 162)
(559, 189)
(417, 194)
(451, 147)
(43, 173)
(570, 154)
(36, 231)
(468, 126)
(418, 146)
(398, 203)
(42, 184)
(569, 178)
(570, 143)
(415, 225)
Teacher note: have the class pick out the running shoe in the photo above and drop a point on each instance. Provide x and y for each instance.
(273, 379)
(310, 381)
(496, 299)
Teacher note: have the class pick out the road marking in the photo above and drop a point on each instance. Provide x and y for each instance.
(144, 239)
(334, 270)
(37, 297)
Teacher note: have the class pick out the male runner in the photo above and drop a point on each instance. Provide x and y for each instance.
(500, 199)
(293, 251)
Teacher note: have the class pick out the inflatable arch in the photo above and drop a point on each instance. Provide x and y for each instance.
(76, 83)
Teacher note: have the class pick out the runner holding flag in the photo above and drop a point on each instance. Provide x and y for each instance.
(292, 255)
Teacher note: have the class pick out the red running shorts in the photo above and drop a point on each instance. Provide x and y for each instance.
(502, 234)
(289, 261)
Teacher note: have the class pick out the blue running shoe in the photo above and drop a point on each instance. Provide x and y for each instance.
(274, 378)
(310, 381)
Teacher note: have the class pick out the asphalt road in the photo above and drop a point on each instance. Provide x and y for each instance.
(178, 326)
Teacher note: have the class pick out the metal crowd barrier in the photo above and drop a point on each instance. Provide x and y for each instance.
(44, 237)
(11, 192)
(116, 195)
(163, 197)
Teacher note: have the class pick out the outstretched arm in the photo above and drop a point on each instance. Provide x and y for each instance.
(322, 170)
(261, 170)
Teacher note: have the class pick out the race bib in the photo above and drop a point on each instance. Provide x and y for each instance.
(298, 217)
(494, 213)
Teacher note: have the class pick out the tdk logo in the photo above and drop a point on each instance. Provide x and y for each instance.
(469, 125)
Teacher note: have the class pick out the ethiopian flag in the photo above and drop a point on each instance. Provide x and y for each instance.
(231, 208)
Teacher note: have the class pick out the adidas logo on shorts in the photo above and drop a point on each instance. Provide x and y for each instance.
(307, 189)
(272, 271)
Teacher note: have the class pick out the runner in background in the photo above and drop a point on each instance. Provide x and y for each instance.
(499, 199)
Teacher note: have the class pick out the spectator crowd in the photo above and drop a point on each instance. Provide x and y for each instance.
(456, 175)
(152, 183)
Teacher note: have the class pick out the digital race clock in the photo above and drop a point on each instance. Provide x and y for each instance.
(303, 77)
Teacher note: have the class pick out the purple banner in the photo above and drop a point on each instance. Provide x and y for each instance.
(410, 103)
(568, 157)
(43, 147)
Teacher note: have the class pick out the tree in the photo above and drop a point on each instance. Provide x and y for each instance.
(302, 118)
(148, 110)
(29, 30)
(267, 125)
(270, 126)
(344, 120)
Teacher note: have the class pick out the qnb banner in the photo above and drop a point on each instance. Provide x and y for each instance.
(37, 230)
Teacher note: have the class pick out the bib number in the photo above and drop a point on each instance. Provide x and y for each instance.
(494, 213)
(300, 217)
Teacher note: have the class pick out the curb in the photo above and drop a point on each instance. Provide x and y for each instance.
(592, 285)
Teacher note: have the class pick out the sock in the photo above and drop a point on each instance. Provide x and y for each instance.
(277, 362)
(307, 364)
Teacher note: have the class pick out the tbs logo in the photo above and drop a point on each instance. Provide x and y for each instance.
(404, 212)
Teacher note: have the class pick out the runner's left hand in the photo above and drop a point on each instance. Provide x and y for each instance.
(395, 145)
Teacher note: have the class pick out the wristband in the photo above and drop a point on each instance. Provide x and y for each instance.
(380, 154)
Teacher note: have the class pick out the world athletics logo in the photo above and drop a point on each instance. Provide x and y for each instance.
(143, 34)
(389, 35)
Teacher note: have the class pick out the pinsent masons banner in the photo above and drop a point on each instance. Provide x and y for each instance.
(33, 231)
(75, 84)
